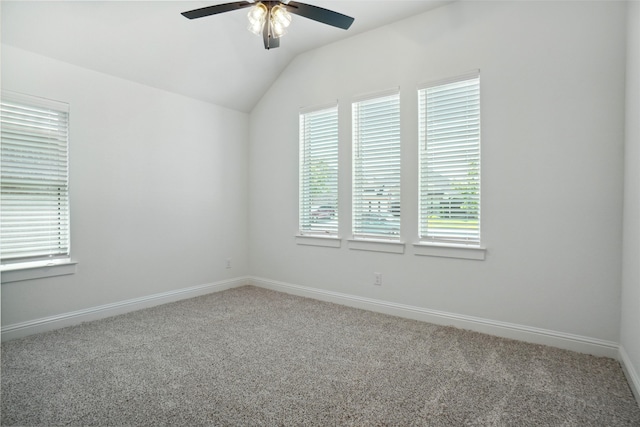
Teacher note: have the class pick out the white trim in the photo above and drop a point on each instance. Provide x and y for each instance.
(319, 107)
(35, 101)
(459, 78)
(318, 240)
(450, 251)
(374, 245)
(22, 329)
(529, 334)
(562, 340)
(37, 270)
(633, 377)
(373, 95)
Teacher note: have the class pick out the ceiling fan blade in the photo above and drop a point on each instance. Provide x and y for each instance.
(215, 9)
(319, 14)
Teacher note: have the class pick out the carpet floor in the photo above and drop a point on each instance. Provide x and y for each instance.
(251, 357)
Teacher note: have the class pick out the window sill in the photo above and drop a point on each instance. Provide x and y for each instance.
(450, 251)
(377, 246)
(324, 241)
(37, 270)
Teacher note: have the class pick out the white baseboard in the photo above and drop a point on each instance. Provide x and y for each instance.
(19, 330)
(633, 377)
(529, 334)
(507, 330)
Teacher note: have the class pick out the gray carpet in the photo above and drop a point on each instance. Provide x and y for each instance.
(249, 356)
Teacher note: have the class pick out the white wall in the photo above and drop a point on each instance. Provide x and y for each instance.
(552, 76)
(630, 325)
(158, 190)
(553, 130)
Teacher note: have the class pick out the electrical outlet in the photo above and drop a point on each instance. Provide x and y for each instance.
(228, 265)
(377, 279)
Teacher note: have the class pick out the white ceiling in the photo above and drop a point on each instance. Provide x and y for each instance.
(214, 59)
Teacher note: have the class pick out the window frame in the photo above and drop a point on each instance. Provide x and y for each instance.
(389, 239)
(450, 237)
(40, 262)
(325, 151)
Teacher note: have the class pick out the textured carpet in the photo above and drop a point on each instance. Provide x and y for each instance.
(250, 356)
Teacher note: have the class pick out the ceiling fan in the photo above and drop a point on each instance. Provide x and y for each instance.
(271, 18)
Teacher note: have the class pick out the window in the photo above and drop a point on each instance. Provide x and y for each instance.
(318, 202)
(34, 166)
(376, 167)
(450, 161)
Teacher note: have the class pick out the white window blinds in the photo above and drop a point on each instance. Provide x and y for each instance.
(318, 203)
(450, 161)
(34, 166)
(376, 167)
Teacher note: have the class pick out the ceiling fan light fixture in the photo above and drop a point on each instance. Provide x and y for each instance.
(257, 16)
(256, 27)
(280, 19)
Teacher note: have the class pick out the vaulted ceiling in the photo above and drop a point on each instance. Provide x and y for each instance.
(214, 59)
